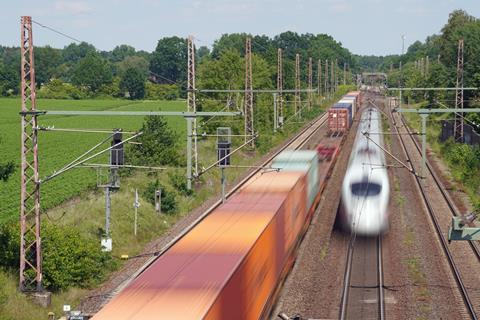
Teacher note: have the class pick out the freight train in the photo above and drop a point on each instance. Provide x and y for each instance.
(365, 188)
(230, 265)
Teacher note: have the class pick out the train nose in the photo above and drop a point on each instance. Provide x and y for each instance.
(369, 219)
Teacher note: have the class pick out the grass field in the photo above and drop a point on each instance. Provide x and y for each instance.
(58, 148)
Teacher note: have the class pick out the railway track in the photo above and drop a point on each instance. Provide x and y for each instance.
(454, 266)
(362, 293)
(297, 142)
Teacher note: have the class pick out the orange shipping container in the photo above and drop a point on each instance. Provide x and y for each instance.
(229, 265)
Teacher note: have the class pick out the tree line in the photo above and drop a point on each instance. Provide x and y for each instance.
(79, 70)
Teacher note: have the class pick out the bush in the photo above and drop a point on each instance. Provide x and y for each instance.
(169, 201)
(161, 91)
(179, 182)
(69, 259)
(57, 89)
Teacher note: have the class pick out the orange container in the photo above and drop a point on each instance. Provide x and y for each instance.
(229, 265)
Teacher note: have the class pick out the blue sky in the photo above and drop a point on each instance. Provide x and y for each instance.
(362, 26)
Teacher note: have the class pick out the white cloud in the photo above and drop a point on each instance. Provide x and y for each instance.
(71, 7)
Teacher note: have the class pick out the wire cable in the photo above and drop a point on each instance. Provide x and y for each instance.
(58, 32)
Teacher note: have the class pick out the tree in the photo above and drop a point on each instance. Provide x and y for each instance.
(122, 52)
(9, 80)
(169, 60)
(47, 60)
(158, 144)
(92, 72)
(134, 83)
(202, 53)
(75, 52)
(136, 62)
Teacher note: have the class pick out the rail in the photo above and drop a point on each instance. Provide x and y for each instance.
(451, 262)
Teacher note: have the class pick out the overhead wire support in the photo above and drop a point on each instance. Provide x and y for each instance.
(319, 77)
(248, 110)
(310, 84)
(327, 89)
(191, 97)
(459, 123)
(297, 83)
(30, 245)
(280, 87)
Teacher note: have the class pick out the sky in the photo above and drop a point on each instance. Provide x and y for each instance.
(366, 27)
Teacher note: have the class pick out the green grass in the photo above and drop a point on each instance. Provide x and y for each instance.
(16, 306)
(58, 148)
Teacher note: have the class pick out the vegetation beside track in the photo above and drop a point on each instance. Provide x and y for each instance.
(84, 214)
(462, 160)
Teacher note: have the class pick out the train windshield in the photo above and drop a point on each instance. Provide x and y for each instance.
(365, 189)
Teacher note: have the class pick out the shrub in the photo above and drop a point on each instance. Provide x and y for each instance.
(169, 201)
(69, 259)
(179, 182)
(57, 89)
(161, 91)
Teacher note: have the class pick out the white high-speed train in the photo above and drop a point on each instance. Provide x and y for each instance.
(365, 188)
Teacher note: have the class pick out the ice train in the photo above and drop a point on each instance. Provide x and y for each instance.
(365, 189)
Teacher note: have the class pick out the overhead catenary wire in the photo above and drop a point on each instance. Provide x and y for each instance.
(58, 32)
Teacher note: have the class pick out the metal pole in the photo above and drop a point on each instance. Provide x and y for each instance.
(275, 113)
(189, 152)
(107, 212)
(136, 212)
(223, 185)
(424, 143)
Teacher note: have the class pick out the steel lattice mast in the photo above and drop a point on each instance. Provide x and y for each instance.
(249, 131)
(319, 77)
(297, 83)
(191, 98)
(332, 78)
(327, 89)
(280, 83)
(458, 127)
(310, 83)
(344, 73)
(30, 241)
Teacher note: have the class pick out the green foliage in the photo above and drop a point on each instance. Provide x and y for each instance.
(121, 52)
(158, 144)
(92, 72)
(9, 245)
(169, 202)
(161, 91)
(134, 83)
(179, 182)
(57, 89)
(75, 52)
(9, 80)
(465, 161)
(6, 169)
(136, 62)
(110, 90)
(169, 60)
(47, 60)
(69, 258)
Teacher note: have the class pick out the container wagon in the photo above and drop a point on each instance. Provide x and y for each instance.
(228, 266)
